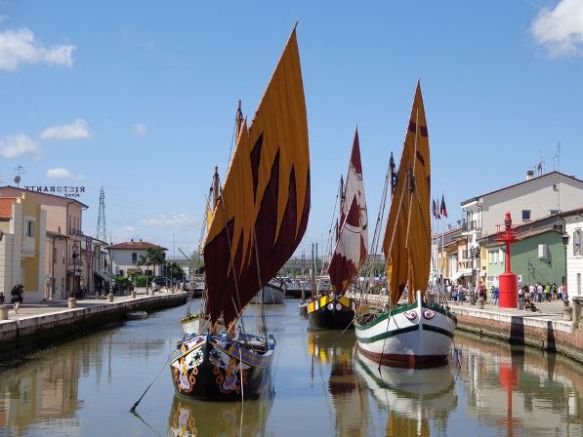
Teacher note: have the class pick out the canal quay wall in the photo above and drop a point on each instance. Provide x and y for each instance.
(37, 324)
(544, 329)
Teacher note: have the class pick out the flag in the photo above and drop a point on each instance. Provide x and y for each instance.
(443, 209)
(434, 208)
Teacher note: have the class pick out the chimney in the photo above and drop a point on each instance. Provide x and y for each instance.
(529, 174)
(132, 240)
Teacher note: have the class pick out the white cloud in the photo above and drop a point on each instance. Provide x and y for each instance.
(20, 47)
(79, 129)
(63, 174)
(123, 234)
(14, 146)
(560, 30)
(178, 219)
(139, 129)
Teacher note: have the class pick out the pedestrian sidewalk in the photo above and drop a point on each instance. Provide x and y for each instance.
(549, 310)
(31, 310)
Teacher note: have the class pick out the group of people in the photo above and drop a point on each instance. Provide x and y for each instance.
(531, 293)
(543, 293)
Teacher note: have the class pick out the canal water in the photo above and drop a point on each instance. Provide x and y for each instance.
(86, 387)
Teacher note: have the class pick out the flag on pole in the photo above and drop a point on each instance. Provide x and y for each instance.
(434, 208)
(443, 209)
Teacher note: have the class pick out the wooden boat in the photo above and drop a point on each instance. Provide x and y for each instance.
(416, 334)
(334, 310)
(271, 293)
(136, 315)
(257, 223)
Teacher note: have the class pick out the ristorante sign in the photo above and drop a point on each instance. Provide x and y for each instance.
(59, 190)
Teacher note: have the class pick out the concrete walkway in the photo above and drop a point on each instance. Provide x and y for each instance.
(31, 310)
(548, 310)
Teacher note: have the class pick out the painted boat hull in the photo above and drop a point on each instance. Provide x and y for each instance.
(416, 335)
(334, 314)
(272, 294)
(216, 368)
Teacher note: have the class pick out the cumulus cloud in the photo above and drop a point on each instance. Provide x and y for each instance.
(560, 30)
(62, 174)
(178, 219)
(14, 146)
(21, 47)
(139, 129)
(77, 130)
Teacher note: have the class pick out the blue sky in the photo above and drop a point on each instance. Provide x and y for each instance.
(140, 97)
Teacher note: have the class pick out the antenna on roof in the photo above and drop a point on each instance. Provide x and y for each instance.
(19, 171)
(540, 166)
(557, 158)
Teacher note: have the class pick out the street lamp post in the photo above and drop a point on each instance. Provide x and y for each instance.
(75, 253)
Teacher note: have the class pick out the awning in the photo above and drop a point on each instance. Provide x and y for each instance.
(460, 273)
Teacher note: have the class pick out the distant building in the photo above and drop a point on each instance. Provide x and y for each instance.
(128, 258)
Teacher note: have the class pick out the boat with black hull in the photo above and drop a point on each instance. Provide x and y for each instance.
(334, 310)
(259, 219)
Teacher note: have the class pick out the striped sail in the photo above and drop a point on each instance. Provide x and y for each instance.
(351, 246)
(407, 243)
(264, 205)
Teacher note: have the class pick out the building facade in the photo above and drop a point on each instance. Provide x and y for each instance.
(60, 253)
(22, 249)
(131, 257)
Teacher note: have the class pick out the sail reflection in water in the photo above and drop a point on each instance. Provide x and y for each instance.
(196, 418)
(414, 397)
(348, 397)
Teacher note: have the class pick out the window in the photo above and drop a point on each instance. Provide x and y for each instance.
(577, 240)
(134, 258)
(29, 228)
(502, 253)
(526, 214)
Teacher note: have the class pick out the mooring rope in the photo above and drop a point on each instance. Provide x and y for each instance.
(133, 409)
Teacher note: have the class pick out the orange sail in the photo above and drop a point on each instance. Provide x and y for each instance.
(407, 243)
(263, 210)
(351, 246)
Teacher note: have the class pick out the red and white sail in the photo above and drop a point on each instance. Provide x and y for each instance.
(351, 246)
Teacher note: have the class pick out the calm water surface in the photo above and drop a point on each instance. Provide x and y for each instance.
(322, 388)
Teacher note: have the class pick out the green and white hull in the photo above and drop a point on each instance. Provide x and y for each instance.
(416, 335)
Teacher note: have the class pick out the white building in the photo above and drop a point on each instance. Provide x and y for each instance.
(574, 229)
(128, 258)
(527, 201)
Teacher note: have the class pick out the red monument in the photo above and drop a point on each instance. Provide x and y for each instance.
(508, 284)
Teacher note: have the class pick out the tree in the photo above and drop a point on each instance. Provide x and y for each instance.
(156, 257)
(176, 272)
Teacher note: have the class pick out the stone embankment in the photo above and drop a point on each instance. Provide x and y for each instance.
(37, 324)
(544, 329)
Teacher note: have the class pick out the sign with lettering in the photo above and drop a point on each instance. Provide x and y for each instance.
(59, 190)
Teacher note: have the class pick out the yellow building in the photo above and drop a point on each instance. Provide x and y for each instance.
(22, 248)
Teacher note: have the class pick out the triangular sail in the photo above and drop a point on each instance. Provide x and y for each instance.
(351, 247)
(407, 243)
(263, 210)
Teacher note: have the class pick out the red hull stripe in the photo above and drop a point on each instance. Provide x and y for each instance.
(405, 360)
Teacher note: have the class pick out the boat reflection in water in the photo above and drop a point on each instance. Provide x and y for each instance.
(349, 398)
(198, 418)
(415, 398)
(519, 390)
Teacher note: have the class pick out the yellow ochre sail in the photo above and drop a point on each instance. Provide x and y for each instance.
(407, 243)
(263, 210)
